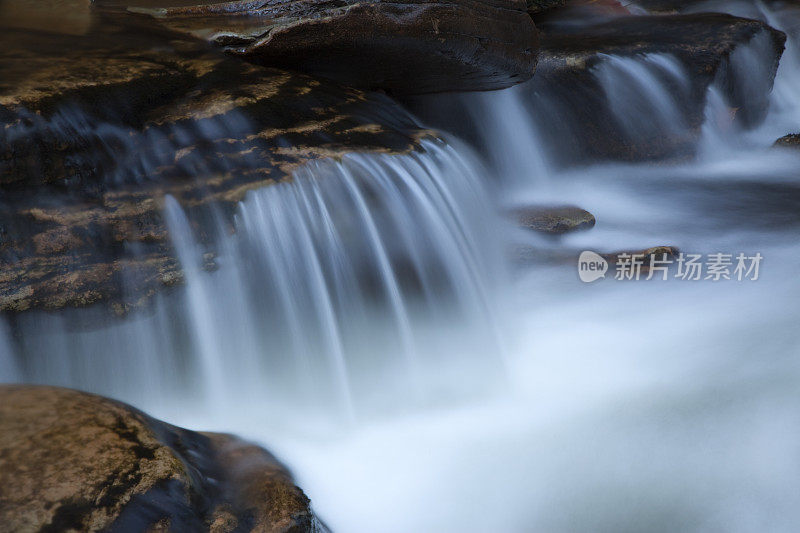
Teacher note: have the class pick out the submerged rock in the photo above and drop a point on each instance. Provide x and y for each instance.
(553, 220)
(657, 252)
(97, 129)
(524, 256)
(789, 141)
(76, 461)
(405, 46)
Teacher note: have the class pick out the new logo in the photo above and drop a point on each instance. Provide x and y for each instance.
(591, 267)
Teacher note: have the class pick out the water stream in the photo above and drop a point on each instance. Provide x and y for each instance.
(367, 323)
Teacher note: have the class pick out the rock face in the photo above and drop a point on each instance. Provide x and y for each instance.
(403, 46)
(553, 220)
(627, 88)
(702, 44)
(97, 128)
(75, 461)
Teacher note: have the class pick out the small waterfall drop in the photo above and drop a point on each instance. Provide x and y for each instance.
(394, 252)
(644, 93)
(8, 366)
(510, 133)
(785, 104)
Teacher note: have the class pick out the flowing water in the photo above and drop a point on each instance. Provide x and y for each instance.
(367, 323)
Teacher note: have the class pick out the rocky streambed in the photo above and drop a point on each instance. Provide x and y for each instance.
(139, 143)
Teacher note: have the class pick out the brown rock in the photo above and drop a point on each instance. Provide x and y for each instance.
(96, 129)
(261, 486)
(404, 46)
(76, 461)
(554, 220)
(789, 141)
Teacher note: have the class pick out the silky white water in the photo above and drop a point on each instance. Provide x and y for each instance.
(364, 286)
(364, 323)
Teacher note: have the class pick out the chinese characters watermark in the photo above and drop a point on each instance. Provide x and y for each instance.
(683, 266)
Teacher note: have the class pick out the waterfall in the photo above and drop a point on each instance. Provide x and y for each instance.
(511, 135)
(361, 321)
(644, 93)
(644, 106)
(785, 100)
(8, 366)
(359, 281)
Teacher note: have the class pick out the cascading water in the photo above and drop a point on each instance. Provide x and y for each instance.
(510, 134)
(389, 251)
(644, 93)
(370, 294)
(784, 110)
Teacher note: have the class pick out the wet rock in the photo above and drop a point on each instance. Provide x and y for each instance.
(611, 87)
(573, 57)
(97, 129)
(553, 220)
(405, 46)
(76, 461)
(789, 141)
(539, 6)
(61, 16)
(657, 252)
(262, 487)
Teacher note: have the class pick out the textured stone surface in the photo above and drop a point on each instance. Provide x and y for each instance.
(657, 252)
(789, 141)
(553, 220)
(402, 46)
(263, 488)
(76, 461)
(98, 128)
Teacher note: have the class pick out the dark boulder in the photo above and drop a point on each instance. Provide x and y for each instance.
(404, 46)
(75, 461)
